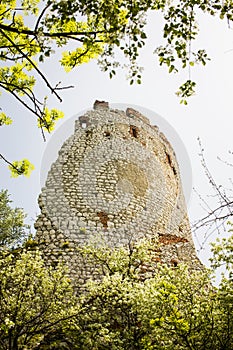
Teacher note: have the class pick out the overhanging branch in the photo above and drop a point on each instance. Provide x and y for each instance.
(33, 65)
(48, 34)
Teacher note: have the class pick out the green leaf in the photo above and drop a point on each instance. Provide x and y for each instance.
(4, 120)
(21, 167)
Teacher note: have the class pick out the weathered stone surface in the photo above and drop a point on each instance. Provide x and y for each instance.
(118, 176)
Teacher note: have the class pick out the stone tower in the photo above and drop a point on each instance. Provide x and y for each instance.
(118, 176)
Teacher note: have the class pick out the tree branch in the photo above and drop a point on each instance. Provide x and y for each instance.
(33, 64)
(40, 16)
(21, 101)
(7, 161)
(27, 107)
(47, 34)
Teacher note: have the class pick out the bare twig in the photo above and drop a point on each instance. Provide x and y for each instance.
(24, 104)
(216, 218)
(40, 16)
(63, 87)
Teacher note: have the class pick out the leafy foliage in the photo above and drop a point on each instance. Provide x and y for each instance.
(19, 167)
(4, 119)
(222, 251)
(129, 308)
(31, 31)
(12, 227)
(172, 308)
(34, 300)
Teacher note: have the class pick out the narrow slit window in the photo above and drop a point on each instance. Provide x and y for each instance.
(133, 131)
(107, 134)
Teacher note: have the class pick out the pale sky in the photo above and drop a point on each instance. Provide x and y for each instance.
(208, 114)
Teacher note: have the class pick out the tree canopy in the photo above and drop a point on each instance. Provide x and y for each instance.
(34, 300)
(31, 31)
(138, 304)
(13, 230)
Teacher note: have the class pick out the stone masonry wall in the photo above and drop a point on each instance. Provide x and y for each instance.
(117, 176)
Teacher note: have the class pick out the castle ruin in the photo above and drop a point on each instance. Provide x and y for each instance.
(117, 176)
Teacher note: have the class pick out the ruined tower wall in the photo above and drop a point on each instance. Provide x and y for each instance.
(118, 176)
